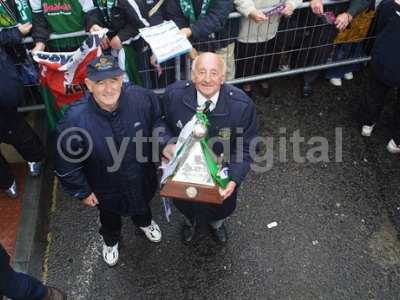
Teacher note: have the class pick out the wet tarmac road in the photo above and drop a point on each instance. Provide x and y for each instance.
(335, 237)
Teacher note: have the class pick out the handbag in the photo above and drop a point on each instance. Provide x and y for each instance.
(358, 28)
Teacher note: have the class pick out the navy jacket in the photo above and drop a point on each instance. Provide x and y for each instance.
(128, 189)
(385, 54)
(211, 32)
(233, 118)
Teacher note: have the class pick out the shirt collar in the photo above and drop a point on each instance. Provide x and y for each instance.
(201, 100)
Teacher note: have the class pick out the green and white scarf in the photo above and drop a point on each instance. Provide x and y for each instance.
(105, 7)
(188, 9)
(8, 17)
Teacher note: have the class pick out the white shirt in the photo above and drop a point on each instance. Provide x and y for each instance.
(201, 100)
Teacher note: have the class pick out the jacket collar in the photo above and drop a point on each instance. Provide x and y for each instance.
(190, 100)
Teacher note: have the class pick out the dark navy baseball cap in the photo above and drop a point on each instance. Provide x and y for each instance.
(103, 67)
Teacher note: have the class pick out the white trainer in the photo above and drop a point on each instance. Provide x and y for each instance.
(348, 76)
(110, 254)
(366, 130)
(336, 81)
(392, 147)
(152, 232)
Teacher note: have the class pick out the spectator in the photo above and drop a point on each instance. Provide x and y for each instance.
(256, 41)
(70, 16)
(124, 19)
(13, 128)
(206, 23)
(322, 54)
(385, 71)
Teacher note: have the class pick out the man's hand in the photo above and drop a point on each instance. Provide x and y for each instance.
(91, 200)
(193, 54)
(169, 151)
(258, 16)
(317, 7)
(105, 43)
(116, 43)
(288, 10)
(186, 31)
(226, 192)
(343, 20)
(39, 46)
(95, 28)
(25, 28)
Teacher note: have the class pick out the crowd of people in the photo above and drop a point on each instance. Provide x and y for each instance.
(121, 109)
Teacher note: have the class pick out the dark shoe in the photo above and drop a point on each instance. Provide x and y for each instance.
(54, 294)
(307, 90)
(220, 234)
(265, 89)
(188, 233)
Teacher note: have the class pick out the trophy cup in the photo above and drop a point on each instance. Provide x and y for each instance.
(194, 174)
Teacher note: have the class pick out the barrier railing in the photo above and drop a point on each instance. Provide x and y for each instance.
(303, 43)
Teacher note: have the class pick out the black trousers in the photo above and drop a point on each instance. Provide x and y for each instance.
(111, 225)
(26, 142)
(373, 104)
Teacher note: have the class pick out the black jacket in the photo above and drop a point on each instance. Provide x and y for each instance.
(211, 32)
(11, 87)
(386, 50)
(124, 190)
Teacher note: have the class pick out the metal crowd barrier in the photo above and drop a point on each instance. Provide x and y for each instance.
(303, 43)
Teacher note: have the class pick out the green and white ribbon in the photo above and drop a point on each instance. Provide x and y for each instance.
(219, 175)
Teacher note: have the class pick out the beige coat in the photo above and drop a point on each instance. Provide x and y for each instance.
(250, 31)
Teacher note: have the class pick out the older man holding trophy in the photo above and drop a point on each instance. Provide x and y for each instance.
(215, 123)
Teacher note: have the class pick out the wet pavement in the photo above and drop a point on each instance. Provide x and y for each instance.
(335, 236)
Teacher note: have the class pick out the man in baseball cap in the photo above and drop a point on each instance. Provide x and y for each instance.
(106, 167)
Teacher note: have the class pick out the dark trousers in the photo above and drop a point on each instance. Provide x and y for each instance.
(111, 225)
(18, 286)
(25, 141)
(373, 104)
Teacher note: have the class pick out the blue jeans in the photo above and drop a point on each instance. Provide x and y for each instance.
(343, 52)
(18, 286)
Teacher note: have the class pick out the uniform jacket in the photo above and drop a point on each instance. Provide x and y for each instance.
(125, 190)
(385, 54)
(213, 31)
(234, 117)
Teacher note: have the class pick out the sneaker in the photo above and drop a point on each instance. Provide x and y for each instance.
(110, 254)
(366, 130)
(336, 81)
(34, 168)
(348, 76)
(392, 147)
(152, 232)
(12, 191)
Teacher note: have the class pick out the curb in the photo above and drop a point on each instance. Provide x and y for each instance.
(30, 208)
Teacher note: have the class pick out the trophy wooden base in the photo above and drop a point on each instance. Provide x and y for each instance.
(191, 192)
